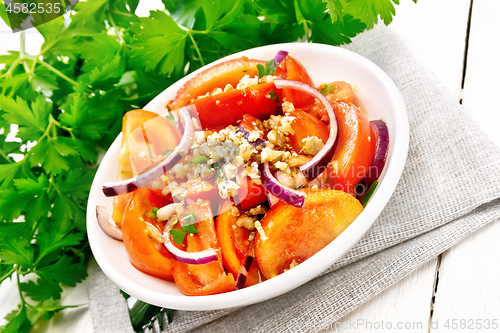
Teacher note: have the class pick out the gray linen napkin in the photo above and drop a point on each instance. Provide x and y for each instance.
(449, 189)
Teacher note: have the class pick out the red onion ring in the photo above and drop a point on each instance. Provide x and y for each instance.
(193, 258)
(380, 128)
(286, 194)
(105, 224)
(318, 163)
(242, 275)
(129, 185)
(280, 56)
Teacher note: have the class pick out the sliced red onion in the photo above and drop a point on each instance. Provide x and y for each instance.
(193, 258)
(280, 56)
(246, 134)
(271, 199)
(129, 185)
(282, 192)
(242, 275)
(318, 163)
(380, 128)
(105, 223)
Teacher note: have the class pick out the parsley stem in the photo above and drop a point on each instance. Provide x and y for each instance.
(45, 49)
(113, 24)
(189, 32)
(120, 13)
(11, 68)
(59, 73)
(8, 274)
(23, 302)
(22, 52)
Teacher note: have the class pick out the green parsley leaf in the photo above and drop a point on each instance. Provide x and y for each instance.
(157, 44)
(152, 213)
(335, 9)
(32, 120)
(368, 11)
(178, 235)
(268, 69)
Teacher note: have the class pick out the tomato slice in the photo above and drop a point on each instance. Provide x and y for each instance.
(145, 137)
(226, 108)
(250, 123)
(306, 125)
(218, 76)
(235, 245)
(296, 71)
(145, 253)
(339, 90)
(251, 194)
(207, 279)
(295, 234)
(355, 151)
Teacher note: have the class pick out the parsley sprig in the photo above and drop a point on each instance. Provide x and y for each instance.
(67, 102)
(188, 225)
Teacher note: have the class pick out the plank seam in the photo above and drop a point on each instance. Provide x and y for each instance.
(434, 291)
(466, 50)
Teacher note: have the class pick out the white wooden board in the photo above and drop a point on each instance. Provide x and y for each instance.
(403, 307)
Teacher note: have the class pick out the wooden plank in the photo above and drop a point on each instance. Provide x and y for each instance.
(438, 44)
(468, 286)
(435, 31)
(403, 307)
(480, 95)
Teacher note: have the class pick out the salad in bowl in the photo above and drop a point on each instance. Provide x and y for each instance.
(248, 171)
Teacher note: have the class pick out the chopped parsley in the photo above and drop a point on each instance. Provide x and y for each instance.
(268, 69)
(152, 213)
(326, 89)
(198, 160)
(188, 226)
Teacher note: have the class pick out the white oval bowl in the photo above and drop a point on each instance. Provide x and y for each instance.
(324, 63)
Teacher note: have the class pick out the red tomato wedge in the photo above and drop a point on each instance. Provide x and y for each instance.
(206, 279)
(306, 125)
(145, 137)
(250, 123)
(251, 194)
(235, 245)
(355, 151)
(220, 110)
(295, 71)
(339, 90)
(294, 234)
(218, 76)
(145, 253)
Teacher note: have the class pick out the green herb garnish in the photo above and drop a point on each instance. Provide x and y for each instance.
(272, 95)
(152, 213)
(198, 160)
(369, 193)
(268, 69)
(167, 152)
(170, 117)
(178, 235)
(126, 173)
(326, 89)
(188, 227)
